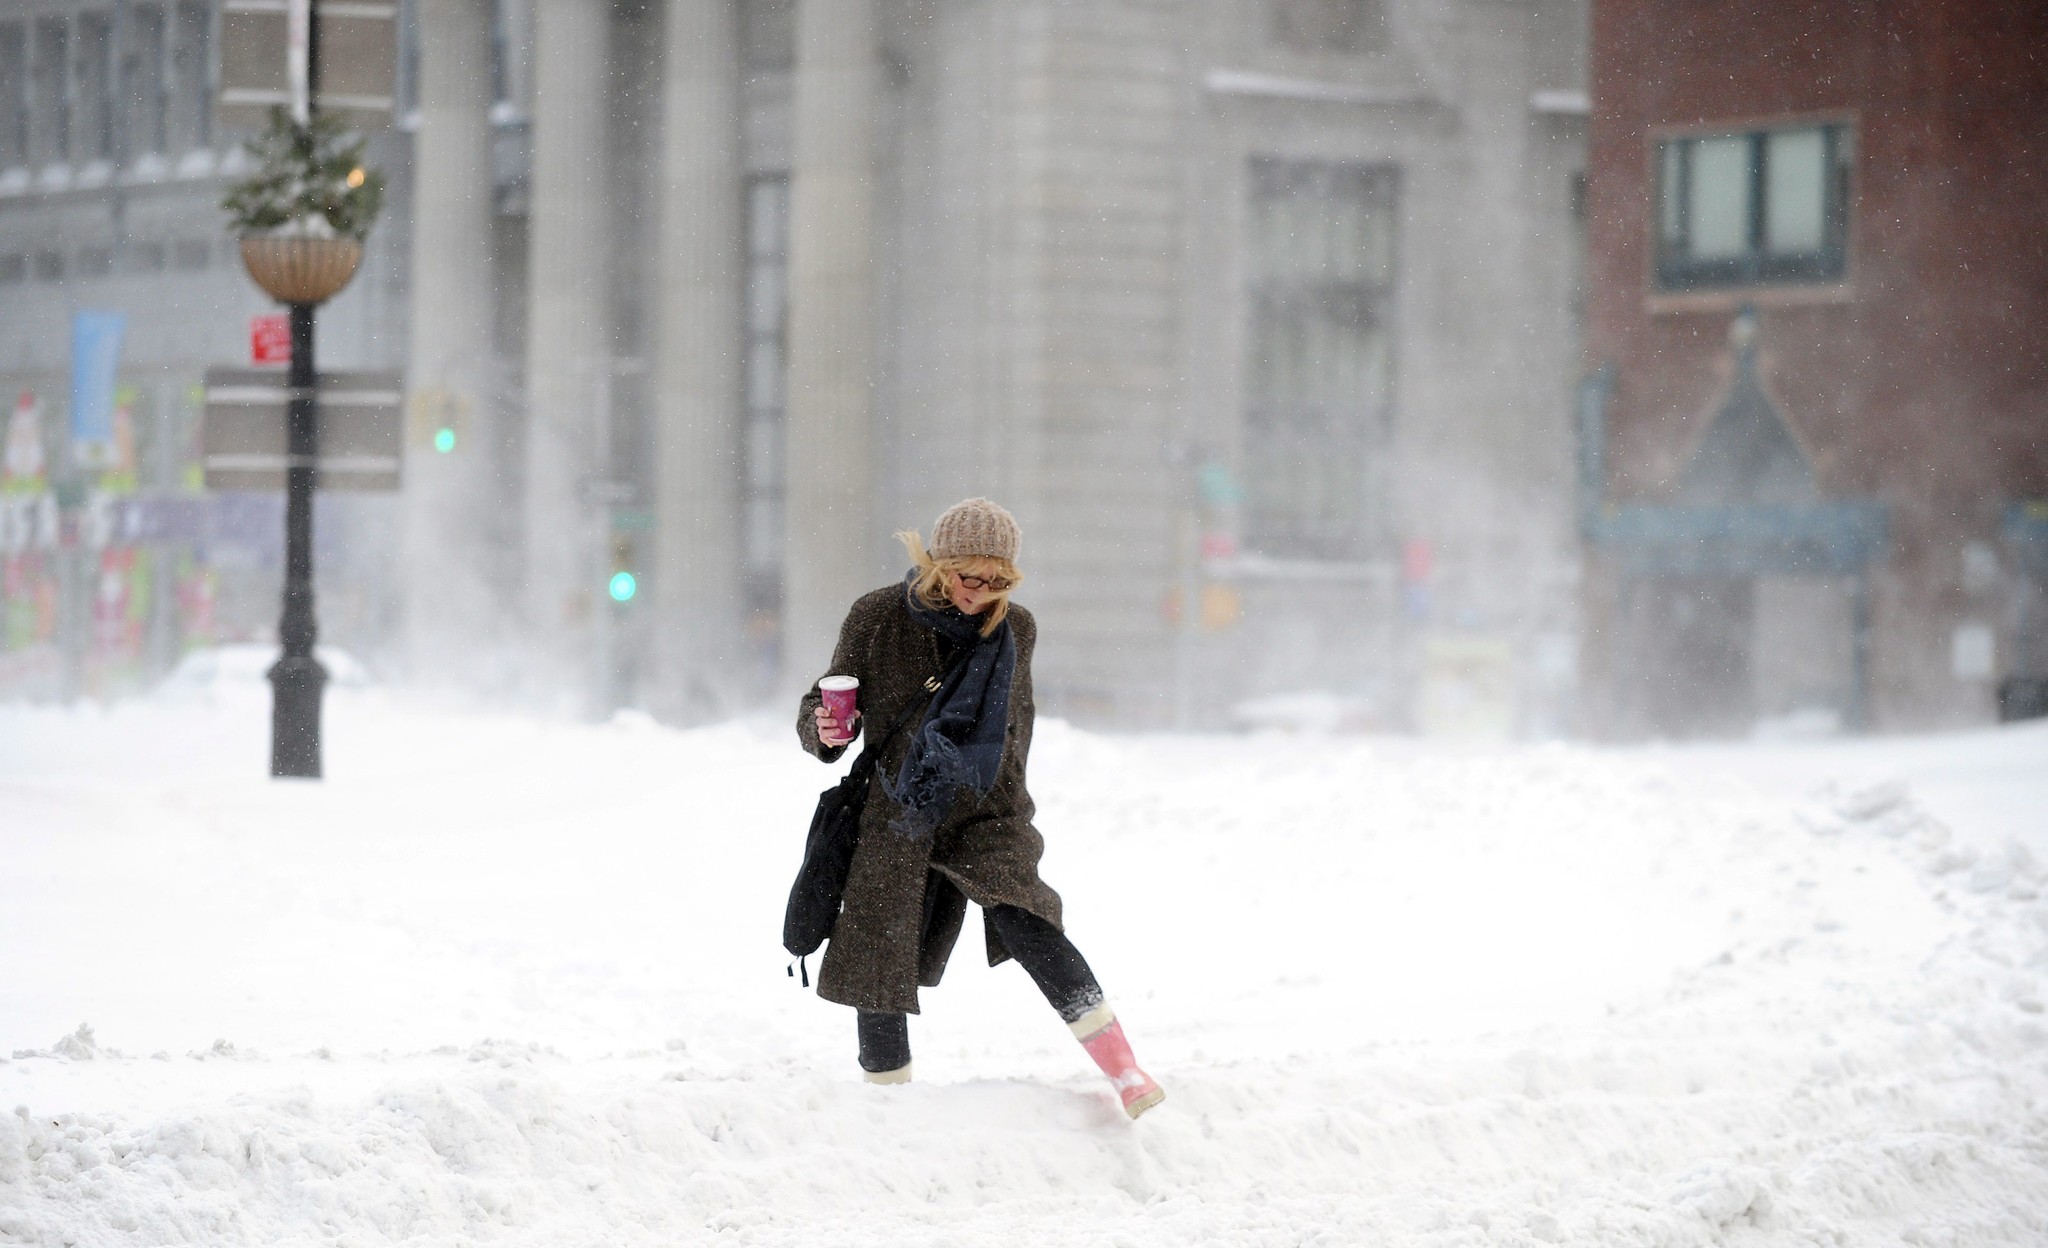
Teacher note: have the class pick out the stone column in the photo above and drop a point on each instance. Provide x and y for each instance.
(696, 586)
(451, 617)
(567, 352)
(830, 525)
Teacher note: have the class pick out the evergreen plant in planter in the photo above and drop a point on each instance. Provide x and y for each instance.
(303, 214)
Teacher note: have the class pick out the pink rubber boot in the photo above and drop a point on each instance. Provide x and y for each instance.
(1103, 1037)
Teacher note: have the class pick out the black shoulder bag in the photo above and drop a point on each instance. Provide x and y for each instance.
(828, 851)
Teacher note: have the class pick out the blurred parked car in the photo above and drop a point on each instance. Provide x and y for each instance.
(238, 669)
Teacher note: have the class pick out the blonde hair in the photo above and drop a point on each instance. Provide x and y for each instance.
(930, 585)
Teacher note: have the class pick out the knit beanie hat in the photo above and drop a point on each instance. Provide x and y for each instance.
(976, 527)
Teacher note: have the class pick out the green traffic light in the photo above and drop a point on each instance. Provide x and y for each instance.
(623, 587)
(444, 439)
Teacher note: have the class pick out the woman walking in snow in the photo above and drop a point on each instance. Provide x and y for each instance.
(949, 820)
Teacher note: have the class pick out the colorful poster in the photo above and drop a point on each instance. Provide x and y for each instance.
(198, 587)
(17, 524)
(22, 469)
(120, 615)
(119, 472)
(192, 432)
(30, 595)
(95, 361)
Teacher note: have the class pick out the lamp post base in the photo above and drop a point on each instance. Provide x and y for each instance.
(296, 685)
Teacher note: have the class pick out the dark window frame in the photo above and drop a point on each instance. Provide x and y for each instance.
(1318, 28)
(187, 85)
(1290, 442)
(52, 89)
(767, 36)
(96, 73)
(1678, 271)
(15, 67)
(144, 82)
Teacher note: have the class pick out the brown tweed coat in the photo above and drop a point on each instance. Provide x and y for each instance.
(906, 900)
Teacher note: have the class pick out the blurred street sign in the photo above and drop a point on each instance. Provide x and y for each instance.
(1218, 487)
(602, 492)
(95, 367)
(362, 430)
(270, 338)
(358, 71)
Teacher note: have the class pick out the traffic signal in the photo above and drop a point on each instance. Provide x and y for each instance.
(624, 583)
(437, 418)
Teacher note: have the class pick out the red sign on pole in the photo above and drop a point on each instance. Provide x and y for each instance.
(270, 339)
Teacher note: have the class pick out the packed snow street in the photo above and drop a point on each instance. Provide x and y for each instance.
(497, 981)
(1023, 624)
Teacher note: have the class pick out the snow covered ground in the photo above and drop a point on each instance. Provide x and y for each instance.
(502, 982)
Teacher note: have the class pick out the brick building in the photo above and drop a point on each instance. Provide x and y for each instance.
(1818, 312)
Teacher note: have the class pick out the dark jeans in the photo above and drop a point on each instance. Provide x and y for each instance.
(1044, 952)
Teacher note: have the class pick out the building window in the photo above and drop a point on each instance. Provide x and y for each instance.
(191, 254)
(50, 92)
(13, 268)
(1320, 257)
(1342, 26)
(1766, 206)
(764, 353)
(147, 104)
(768, 35)
(191, 85)
(95, 80)
(13, 95)
(48, 266)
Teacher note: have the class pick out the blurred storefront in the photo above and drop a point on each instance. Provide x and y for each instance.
(119, 286)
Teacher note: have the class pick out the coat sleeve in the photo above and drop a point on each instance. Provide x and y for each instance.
(849, 658)
(1023, 703)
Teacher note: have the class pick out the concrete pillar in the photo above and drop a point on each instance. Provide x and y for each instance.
(450, 613)
(831, 557)
(568, 364)
(696, 586)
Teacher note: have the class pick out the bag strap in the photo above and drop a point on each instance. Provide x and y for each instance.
(932, 686)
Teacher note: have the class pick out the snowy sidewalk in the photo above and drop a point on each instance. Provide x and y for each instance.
(487, 985)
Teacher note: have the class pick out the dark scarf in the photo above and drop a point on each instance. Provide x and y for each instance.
(960, 741)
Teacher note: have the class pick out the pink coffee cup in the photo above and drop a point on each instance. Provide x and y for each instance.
(840, 694)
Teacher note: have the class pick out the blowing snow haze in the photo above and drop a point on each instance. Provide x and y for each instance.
(1521, 531)
(1439, 366)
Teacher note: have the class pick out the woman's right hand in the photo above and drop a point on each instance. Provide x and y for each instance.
(832, 732)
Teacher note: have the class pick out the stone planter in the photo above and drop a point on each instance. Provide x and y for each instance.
(301, 270)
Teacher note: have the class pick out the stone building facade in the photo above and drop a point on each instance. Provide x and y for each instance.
(1262, 316)
(1259, 314)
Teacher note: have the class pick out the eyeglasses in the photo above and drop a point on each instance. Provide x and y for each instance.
(994, 584)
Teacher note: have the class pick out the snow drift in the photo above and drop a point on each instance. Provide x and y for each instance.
(485, 985)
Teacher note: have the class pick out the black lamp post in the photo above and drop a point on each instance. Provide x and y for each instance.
(301, 272)
(297, 679)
